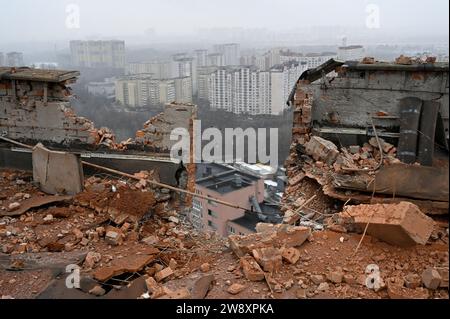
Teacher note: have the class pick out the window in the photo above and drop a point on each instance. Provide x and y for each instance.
(212, 225)
(231, 230)
(211, 213)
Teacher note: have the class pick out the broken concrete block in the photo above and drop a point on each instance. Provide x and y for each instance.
(13, 206)
(113, 238)
(280, 235)
(163, 274)
(401, 224)
(291, 255)
(335, 277)
(153, 288)
(413, 281)
(57, 172)
(321, 150)
(91, 259)
(252, 271)
(317, 279)
(268, 258)
(431, 278)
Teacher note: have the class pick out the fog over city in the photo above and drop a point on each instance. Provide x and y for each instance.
(140, 21)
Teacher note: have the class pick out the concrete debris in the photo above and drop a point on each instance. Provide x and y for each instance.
(322, 150)
(163, 274)
(17, 209)
(291, 255)
(57, 172)
(401, 224)
(251, 269)
(431, 278)
(202, 286)
(269, 258)
(278, 236)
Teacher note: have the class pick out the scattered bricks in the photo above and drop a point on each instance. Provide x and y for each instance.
(368, 60)
(163, 274)
(91, 259)
(269, 258)
(291, 255)
(430, 59)
(78, 234)
(431, 278)
(13, 206)
(205, 267)
(296, 179)
(252, 271)
(335, 276)
(317, 279)
(396, 291)
(114, 237)
(401, 224)
(322, 150)
(151, 240)
(323, 287)
(412, 281)
(48, 218)
(234, 289)
(153, 288)
(404, 60)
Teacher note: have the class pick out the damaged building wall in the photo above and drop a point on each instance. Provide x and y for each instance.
(362, 91)
(35, 107)
(36, 110)
(351, 158)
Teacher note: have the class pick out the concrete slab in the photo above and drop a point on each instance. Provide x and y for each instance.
(57, 172)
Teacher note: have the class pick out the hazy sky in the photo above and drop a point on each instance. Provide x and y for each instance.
(45, 20)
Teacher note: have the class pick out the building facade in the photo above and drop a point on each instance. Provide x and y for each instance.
(248, 90)
(230, 51)
(351, 53)
(312, 60)
(98, 54)
(226, 184)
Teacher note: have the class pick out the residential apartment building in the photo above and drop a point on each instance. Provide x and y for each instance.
(14, 59)
(2, 59)
(201, 56)
(106, 88)
(312, 60)
(230, 51)
(183, 89)
(98, 54)
(141, 90)
(245, 89)
(215, 59)
(229, 184)
(203, 73)
(226, 184)
(351, 53)
(158, 69)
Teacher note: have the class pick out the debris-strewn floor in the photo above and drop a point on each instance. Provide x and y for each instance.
(131, 240)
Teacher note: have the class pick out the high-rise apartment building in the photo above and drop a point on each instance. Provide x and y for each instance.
(230, 51)
(201, 56)
(245, 89)
(98, 54)
(215, 59)
(312, 60)
(351, 53)
(158, 69)
(142, 89)
(2, 59)
(203, 74)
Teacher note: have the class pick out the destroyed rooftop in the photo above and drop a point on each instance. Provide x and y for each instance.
(38, 75)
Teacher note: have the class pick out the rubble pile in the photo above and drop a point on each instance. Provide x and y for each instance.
(131, 240)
